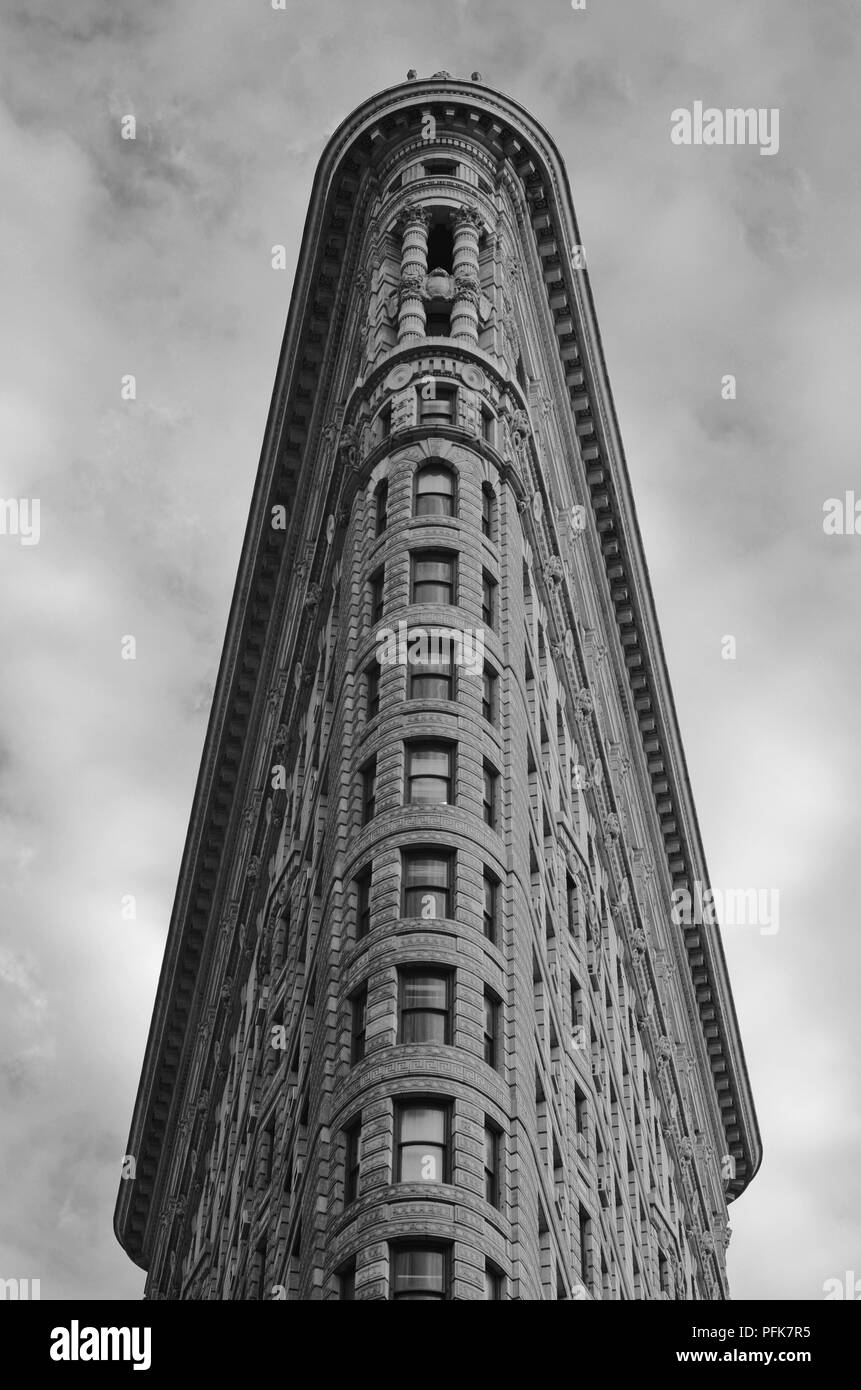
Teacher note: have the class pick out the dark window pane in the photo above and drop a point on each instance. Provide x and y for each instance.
(427, 885)
(429, 774)
(424, 1007)
(376, 586)
(418, 1273)
(363, 903)
(488, 511)
(491, 1166)
(488, 601)
(432, 682)
(352, 1163)
(491, 1017)
(433, 578)
(424, 1028)
(490, 785)
(382, 507)
(425, 991)
(421, 1143)
(491, 898)
(427, 869)
(357, 1042)
(434, 491)
(488, 695)
(372, 678)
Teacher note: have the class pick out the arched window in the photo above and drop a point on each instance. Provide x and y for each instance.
(434, 495)
(488, 511)
(381, 507)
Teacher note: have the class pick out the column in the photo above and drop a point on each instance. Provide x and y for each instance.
(464, 314)
(414, 269)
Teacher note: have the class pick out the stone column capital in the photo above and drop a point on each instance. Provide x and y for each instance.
(413, 215)
(467, 216)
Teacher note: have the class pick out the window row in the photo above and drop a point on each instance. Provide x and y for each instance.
(421, 1272)
(429, 780)
(434, 579)
(428, 890)
(435, 495)
(425, 1009)
(437, 680)
(423, 1149)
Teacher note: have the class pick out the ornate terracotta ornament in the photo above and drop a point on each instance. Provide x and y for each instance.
(554, 570)
(584, 705)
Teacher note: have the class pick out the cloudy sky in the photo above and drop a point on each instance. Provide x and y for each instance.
(152, 258)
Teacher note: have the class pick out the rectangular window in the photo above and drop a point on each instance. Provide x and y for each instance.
(424, 1006)
(421, 1153)
(489, 694)
(438, 168)
(427, 883)
(488, 599)
(491, 905)
(585, 1252)
(492, 1281)
(490, 795)
(419, 1272)
(347, 1281)
(492, 1147)
(369, 790)
(434, 574)
(573, 906)
(488, 511)
(434, 491)
(438, 326)
(363, 902)
(358, 1017)
(376, 587)
(432, 682)
(579, 1110)
(429, 774)
(372, 689)
(436, 401)
(381, 507)
(491, 1029)
(577, 1013)
(352, 1161)
(438, 408)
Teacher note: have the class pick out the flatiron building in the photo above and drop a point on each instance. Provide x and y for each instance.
(426, 1026)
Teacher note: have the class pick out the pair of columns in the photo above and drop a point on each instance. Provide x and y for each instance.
(414, 269)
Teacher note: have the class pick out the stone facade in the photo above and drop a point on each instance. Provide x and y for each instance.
(425, 1027)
